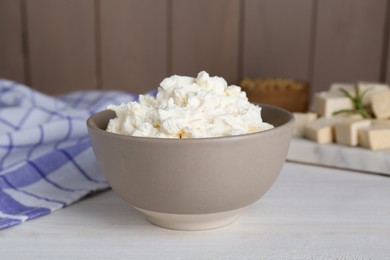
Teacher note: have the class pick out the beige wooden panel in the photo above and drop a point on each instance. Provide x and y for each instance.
(11, 48)
(277, 38)
(61, 44)
(388, 66)
(349, 40)
(205, 36)
(387, 71)
(134, 44)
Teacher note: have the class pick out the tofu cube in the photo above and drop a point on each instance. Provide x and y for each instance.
(347, 132)
(322, 130)
(383, 122)
(375, 137)
(325, 104)
(301, 120)
(370, 88)
(380, 104)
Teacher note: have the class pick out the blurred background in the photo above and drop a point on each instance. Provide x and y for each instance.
(57, 46)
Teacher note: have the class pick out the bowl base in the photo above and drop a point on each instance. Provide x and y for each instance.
(192, 222)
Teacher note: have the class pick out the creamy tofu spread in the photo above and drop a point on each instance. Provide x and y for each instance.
(187, 107)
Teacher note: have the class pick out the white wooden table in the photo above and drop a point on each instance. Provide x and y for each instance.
(309, 213)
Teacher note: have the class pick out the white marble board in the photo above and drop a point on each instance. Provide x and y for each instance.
(339, 156)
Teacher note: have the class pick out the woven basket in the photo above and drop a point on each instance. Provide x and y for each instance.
(290, 94)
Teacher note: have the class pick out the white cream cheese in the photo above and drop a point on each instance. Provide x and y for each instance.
(187, 107)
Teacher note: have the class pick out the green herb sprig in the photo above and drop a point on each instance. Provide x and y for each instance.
(357, 101)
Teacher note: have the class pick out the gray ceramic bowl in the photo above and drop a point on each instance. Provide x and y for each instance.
(192, 184)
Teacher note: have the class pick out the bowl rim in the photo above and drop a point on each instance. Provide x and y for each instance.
(93, 127)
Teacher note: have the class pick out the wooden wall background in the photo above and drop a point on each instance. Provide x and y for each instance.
(57, 46)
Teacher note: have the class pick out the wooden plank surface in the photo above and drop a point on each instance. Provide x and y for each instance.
(62, 45)
(349, 38)
(205, 36)
(134, 44)
(387, 79)
(11, 47)
(141, 43)
(387, 63)
(277, 38)
(309, 213)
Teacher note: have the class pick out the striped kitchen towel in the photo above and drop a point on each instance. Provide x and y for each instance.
(46, 159)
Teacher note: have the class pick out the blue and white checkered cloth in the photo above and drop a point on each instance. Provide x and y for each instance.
(46, 160)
